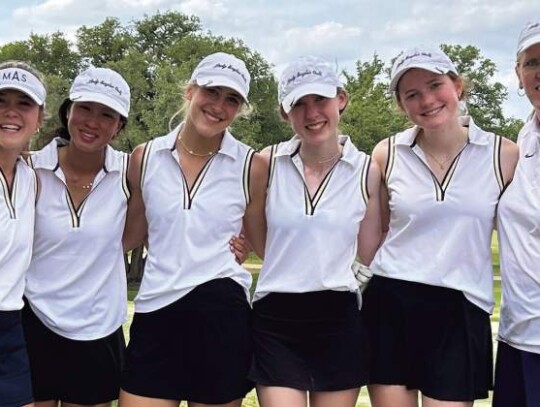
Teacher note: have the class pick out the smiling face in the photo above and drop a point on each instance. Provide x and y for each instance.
(211, 109)
(316, 118)
(430, 100)
(92, 125)
(20, 118)
(528, 72)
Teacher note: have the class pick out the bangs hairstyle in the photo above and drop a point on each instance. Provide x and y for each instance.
(244, 112)
(63, 132)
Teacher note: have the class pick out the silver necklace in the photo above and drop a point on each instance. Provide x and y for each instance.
(327, 160)
(442, 163)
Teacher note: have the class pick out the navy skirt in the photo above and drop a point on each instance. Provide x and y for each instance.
(15, 382)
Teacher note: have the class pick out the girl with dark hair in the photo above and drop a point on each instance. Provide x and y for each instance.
(76, 282)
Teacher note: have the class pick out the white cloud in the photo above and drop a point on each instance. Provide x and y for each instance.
(205, 9)
(330, 39)
(341, 30)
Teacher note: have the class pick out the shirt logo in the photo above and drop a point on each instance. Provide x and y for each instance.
(529, 155)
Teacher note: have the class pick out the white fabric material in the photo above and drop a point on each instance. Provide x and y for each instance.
(24, 81)
(311, 246)
(529, 36)
(102, 85)
(442, 238)
(221, 69)
(307, 75)
(519, 247)
(76, 283)
(430, 59)
(189, 231)
(17, 233)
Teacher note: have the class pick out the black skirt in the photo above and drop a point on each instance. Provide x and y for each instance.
(198, 348)
(428, 338)
(73, 371)
(309, 341)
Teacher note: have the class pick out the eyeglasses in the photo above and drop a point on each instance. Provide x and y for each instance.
(531, 65)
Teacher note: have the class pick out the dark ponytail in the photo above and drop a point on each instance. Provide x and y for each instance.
(62, 131)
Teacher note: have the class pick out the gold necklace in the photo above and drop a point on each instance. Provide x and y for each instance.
(191, 152)
(75, 183)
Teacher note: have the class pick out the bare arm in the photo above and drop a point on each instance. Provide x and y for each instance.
(380, 156)
(509, 159)
(370, 232)
(255, 217)
(136, 227)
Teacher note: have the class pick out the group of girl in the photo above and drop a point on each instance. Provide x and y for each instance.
(420, 212)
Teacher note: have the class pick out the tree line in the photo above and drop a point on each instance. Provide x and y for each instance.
(156, 55)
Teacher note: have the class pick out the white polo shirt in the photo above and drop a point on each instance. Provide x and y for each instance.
(17, 206)
(311, 240)
(76, 283)
(189, 229)
(440, 232)
(519, 247)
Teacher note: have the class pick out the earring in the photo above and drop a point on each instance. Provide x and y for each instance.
(522, 93)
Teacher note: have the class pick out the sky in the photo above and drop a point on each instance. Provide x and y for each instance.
(344, 31)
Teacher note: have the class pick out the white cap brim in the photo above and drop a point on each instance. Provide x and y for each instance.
(26, 91)
(215, 80)
(529, 42)
(428, 67)
(321, 89)
(99, 98)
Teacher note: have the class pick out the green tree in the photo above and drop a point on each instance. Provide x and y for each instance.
(372, 114)
(154, 35)
(105, 43)
(485, 96)
(50, 54)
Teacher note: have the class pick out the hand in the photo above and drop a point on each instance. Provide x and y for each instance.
(240, 247)
(362, 273)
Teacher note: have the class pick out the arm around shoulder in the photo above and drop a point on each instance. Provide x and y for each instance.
(370, 232)
(380, 156)
(136, 227)
(255, 217)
